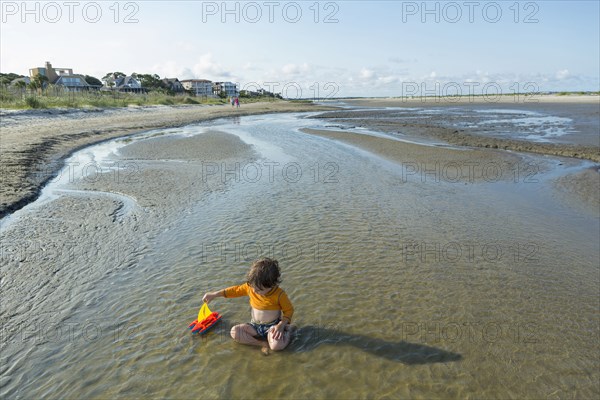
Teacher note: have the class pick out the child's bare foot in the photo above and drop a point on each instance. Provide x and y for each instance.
(265, 350)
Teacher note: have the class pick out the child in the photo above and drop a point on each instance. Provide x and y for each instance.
(270, 307)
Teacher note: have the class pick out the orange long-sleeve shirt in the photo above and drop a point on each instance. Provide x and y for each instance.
(275, 299)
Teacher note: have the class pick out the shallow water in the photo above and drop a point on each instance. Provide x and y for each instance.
(554, 123)
(403, 287)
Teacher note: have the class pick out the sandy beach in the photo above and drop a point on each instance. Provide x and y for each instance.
(469, 271)
(34, 143)
(431, 162)
(425, 174)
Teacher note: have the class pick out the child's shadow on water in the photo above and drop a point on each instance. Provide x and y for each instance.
(310, 337)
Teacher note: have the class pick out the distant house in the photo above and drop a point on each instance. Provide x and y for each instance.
(128, 84)
(263, 92)
(199, 87)
(229, 89)
(248, 93)
(50, 72)
(73, 82)
(109, 81)
(62, 77)
(257, 93)
(173, 84)
(25, 79)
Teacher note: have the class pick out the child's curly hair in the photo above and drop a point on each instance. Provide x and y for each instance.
(264, 273)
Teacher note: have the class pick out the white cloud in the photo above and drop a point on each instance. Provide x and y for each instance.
(389, 79)
(170, 69)
(207, 68)
(293, 69)
(562, 74)
(367, 74)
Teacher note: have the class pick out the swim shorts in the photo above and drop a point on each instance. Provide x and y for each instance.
(263, 329)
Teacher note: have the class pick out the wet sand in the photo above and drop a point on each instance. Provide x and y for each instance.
(585, 144)
(122, 265)
(35, 143)
(580, 189)
(461, 137)
(583, 186)
(99, 227)
(163, 171)
(432, 162)
(473, 165)
(463, 100)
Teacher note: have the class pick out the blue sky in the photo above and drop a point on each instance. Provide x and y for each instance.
(348, 48)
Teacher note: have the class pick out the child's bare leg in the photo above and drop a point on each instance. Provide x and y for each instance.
(244, 334)
(279, 344)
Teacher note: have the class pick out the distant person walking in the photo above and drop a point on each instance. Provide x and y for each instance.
(237, 102)
(232, 102)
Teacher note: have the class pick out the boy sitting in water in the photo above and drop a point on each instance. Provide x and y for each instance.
(271, 308)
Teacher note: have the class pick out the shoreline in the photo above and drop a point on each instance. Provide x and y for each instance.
(419, 162)
(33, 150)
(403, 117)
(35, 143)
(507, 99)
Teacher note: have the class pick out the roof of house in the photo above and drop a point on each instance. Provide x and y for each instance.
(25, 79)
(81, 78)
(196, 80)
(127, 81)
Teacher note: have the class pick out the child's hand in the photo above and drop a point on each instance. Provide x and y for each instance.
(208, 297)
(278, 330)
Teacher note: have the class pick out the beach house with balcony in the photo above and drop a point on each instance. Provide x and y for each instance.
(199, 87)
(129, 84)
(229, 89)
(62, 77)
(120, 83)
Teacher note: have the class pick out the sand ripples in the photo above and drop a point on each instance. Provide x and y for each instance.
(398, 288)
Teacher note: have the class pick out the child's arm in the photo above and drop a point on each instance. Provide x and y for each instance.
(232, 291)
(208, 297)
(287, 310)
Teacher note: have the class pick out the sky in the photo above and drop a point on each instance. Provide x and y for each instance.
(325, 49)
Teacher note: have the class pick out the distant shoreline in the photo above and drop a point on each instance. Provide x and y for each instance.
(398, 101)
(519, 98)
(36, 142)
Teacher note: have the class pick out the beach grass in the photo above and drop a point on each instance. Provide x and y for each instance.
(48, 99)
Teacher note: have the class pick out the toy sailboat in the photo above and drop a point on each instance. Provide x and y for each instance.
(206, 320)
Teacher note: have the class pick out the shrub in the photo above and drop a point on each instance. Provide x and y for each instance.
(33, 102)
(189, 100)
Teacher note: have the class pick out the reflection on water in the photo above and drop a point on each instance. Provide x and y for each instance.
(401, 289)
